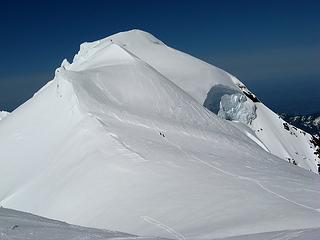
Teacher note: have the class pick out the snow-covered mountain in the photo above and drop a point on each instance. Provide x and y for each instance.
(309, 123)
(132, 136)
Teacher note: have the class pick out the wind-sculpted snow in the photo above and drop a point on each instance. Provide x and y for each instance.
(130, 89)
(198, 78)
(192, 75)
(120, 140)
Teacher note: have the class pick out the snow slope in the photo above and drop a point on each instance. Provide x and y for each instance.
(16, 225)
(120, 140)
(19, 225)
(299, 234)
(285, 140)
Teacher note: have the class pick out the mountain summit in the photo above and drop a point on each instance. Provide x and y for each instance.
(138, 137)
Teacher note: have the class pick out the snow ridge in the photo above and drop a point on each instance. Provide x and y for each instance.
(122, 131)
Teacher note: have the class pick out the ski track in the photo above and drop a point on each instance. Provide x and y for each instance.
(227, 173)
(170, 230)
(126, 146)
(257, 182)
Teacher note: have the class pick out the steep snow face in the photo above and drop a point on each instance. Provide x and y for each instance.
(38, 129)
(207, 84)
(131, 87)
(235, 107)
(283, 139)
(120, 143)
(124, 87)
(190, 74)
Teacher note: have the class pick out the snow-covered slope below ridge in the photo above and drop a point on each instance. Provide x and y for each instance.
(115, 143)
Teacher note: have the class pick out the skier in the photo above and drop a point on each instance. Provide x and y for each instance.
(319, 168)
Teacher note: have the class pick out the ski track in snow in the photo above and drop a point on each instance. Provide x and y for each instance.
(243, 178)
(170, 230)
(126, 146)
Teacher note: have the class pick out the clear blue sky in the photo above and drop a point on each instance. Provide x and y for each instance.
(264, 43)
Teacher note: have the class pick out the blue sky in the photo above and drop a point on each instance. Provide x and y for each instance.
(264, 43)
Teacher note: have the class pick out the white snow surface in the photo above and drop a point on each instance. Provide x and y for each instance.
(15, 225)
(298, 234)
(3, 114)
(293, 144)
(119, 140)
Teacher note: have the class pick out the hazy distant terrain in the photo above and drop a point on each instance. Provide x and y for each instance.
(308, 122)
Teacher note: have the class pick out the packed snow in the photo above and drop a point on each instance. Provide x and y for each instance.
(120, 140)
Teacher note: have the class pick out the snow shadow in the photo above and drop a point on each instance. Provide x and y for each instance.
(214, 96)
